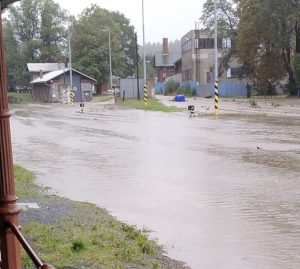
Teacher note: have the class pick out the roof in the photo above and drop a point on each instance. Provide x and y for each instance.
(45, 67)
(167, 60)
(54, 74)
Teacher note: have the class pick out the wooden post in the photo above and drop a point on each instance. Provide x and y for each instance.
(10, 247)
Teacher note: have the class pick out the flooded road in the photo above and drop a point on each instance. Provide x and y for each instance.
(200, 185)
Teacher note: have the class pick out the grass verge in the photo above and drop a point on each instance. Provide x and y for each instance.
(69, 234)
(102, 98)
(22, 98)
(152, 105)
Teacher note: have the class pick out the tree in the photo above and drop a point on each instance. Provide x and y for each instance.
(256, 46)
(91, 47)
(39, 29)
(227, 26)
(268, 37)
(296, 65)
(127, 39)
(227, 17)
(14, 66)
(52, 31)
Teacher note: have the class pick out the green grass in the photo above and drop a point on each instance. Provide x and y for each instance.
(152, 105)
(21, 98)
(24, 181)
(102, 98)
(85, 236)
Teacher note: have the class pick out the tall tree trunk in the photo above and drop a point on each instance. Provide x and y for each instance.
(297, 34)
(286, 55)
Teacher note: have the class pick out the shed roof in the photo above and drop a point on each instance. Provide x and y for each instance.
(167, 60)
(46, 67)
(54, 74)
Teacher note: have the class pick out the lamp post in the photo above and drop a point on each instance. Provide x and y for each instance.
(144, 59)
(106, 29)
(70, 55)
(137, 67)
(110, 66)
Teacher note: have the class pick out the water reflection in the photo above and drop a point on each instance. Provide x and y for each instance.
(200, 185)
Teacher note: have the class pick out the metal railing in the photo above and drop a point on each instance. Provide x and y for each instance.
(35, 259)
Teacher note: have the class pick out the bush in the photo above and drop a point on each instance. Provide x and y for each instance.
(171, 86)
(186, 90)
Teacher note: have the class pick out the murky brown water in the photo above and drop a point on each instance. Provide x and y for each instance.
(200, 185)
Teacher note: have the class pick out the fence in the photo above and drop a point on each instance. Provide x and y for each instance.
(226, 88)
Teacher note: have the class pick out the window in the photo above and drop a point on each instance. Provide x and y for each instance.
(187, 46)
(187, 75)
(206, 43)
(226, 42)
(239, 72)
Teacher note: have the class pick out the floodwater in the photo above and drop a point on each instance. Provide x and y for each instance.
(200, 185)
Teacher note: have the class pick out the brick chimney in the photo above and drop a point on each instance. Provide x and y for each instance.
(165, 46)
(41, 74)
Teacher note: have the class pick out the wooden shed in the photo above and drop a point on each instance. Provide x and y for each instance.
(55, 86)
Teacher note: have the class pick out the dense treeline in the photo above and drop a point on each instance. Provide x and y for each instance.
(265, 34)
(265, 37)
(37, 31)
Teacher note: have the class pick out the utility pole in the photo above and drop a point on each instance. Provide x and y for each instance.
(216, 60)
(144, 59)
(70, 55)
(137, 67)
(110, 65)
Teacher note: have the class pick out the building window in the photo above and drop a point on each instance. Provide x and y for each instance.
(187, 75)
(239, 72)
(206, 43)
(226, 42)
(186, 46)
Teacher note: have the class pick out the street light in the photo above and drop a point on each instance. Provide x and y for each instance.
(110, 67)
(70, 55)
(109, 52)
(144, 58)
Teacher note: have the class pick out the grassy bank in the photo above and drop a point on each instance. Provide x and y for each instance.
(70, 234)
(152, 105)
(102, 98)
(22, 98)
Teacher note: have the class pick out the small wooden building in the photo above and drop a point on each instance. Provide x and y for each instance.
(55, 86)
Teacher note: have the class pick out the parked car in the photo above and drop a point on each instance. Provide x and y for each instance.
(23, 89)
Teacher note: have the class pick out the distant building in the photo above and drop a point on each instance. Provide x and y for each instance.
(198, 58)
(35, 68)
(167, 63)
(197, 48)
(54, 86)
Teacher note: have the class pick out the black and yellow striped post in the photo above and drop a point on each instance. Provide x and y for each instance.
(145, 95)
(216, 97)
(72, 95)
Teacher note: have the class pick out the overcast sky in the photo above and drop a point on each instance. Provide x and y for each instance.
(163, 18)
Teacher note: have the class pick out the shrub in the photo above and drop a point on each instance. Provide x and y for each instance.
(77, 246)
(171, 86)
